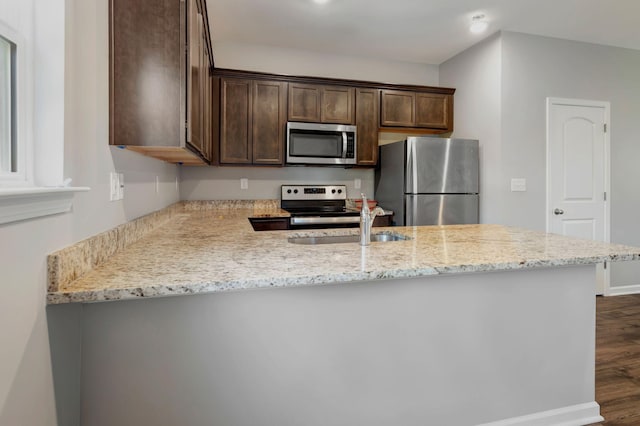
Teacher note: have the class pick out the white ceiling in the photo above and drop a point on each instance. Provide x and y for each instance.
(423, 31)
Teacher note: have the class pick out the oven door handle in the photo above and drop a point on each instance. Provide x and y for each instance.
(323, 220)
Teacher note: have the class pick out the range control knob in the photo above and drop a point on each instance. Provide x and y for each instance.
(288, 191)
(333, 191)
(295, 191)
(339, 191)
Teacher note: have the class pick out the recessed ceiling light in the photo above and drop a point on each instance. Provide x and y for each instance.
(321, 1)
(478, 24)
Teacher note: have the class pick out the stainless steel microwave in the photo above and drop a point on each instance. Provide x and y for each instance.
(312, 143)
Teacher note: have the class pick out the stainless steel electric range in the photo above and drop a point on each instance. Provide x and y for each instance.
(318, 206)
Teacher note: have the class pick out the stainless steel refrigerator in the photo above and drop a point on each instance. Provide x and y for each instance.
(429, 181)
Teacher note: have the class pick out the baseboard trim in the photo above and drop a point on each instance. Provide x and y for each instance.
(626, 289)
(573, 415)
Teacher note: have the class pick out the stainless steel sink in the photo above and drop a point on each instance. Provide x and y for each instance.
(338, 239)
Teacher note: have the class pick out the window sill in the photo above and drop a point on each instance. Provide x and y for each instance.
(27, 203)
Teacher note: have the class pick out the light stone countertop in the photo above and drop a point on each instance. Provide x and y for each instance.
(203, 251)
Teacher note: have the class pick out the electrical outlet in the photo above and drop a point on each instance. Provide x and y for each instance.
(244, 183)
(518, 184)
(157, 185)
(357, 183)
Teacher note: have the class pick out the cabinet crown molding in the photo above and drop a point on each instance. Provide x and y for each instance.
(225, 72)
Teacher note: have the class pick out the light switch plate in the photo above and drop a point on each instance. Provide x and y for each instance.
(518, 184)
(357, 183)
(244, 183)
(113, 186)
(120, 186)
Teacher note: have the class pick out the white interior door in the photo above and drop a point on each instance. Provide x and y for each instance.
(578, 171)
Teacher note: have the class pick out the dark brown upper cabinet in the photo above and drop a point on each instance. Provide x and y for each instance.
(337, 105)
(252, 121)
(269, 122)
(304, 102)
(235, 121)
(367, 116)
(254, 108)
(432, 112)
(398, 108)
(314, 103)
(160, 90)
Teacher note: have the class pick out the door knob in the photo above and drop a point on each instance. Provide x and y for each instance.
(558, 211)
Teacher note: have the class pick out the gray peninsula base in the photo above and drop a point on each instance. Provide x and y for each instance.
(497, 348)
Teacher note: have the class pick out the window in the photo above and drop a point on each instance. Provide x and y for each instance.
(8, 142)
(25, 192)
(14, 117)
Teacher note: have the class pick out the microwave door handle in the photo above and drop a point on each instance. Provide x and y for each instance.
(344, 145)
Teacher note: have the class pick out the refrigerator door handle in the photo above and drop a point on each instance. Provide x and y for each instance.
(411, 211)
(412, 167)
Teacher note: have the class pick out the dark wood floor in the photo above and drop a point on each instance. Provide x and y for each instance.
(618, 359)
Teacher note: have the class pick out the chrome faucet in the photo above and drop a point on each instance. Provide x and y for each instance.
(367, 217)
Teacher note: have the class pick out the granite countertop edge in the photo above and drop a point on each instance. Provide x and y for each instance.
(216, 250)
(190, 288)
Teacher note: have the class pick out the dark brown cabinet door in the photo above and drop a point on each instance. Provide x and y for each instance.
(304, 103)
(269, 121)
(419, 110)
(145, 49)
(269, 224)
(386, 220)
(336, 105)
(235, 121)
(252, 121)
(398, 108)
(367, 121)
(434, 110)
(159, 88)
(313, 103)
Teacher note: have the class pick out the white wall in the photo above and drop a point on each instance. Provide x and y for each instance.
(476, 75)
(49, 98)
(531, 69)
(537, 67)
(223, 182)
(277, 60)
(26, 385)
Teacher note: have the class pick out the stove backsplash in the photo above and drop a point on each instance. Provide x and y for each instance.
(223, 183)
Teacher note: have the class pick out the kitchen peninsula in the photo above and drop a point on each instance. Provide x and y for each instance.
(457, 325)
